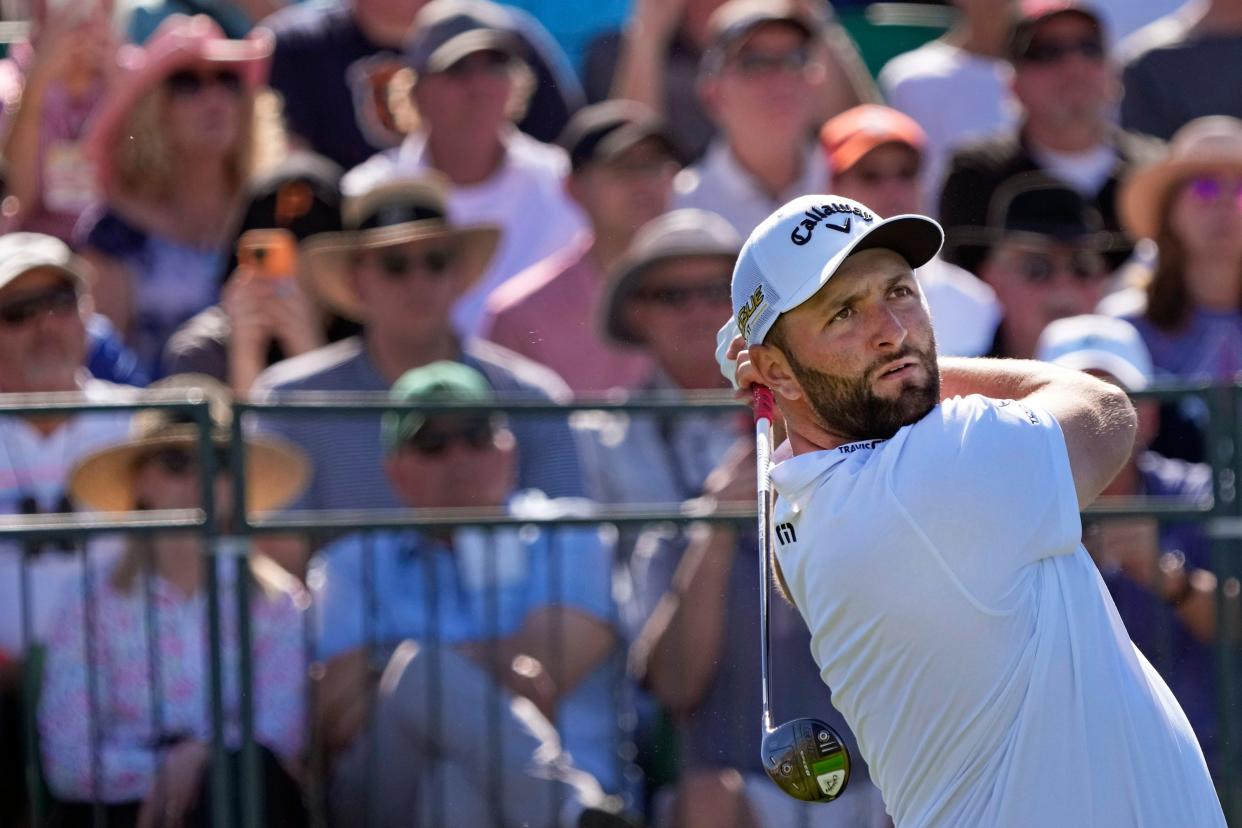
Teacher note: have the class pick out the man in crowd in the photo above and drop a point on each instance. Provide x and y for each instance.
(1043, 253)
(875, 156)
(1067, 90)
(398, 269)
(470, 78)
(623, 167)
(477, 629)
(757, 81)
(1159, 574)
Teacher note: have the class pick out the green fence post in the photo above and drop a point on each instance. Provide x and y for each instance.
(1223, 434)
(251, 779)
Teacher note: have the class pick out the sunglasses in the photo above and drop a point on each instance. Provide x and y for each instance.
(716, 293)
(397, 265)
(1041, 268)
(59, 300)
(430, 441)
(1206, 188)
(180, 461)
(759, 64)
(187, 83)
(1051, 51)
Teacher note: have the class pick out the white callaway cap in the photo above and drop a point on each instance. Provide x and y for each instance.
(1098, 343)
(797, 249)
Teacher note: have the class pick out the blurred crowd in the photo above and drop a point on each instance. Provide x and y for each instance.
(459, 201)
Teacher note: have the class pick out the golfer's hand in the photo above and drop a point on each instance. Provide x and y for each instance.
(343, 697)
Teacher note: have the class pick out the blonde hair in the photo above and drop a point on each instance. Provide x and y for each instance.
(271, 579)
(145, 167)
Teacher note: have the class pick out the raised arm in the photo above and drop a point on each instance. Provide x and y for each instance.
(1096, 417)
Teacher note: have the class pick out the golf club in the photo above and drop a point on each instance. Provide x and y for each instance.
(804, 757)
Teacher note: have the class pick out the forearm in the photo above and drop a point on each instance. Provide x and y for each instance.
(1007, 379)
(640, 69)
(679, 649)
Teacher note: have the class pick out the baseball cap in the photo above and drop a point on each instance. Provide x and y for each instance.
(797, 249)
(736, 19)
(1098, 343)
(443, 381)
(1033, 12)
(445, 31)
(849, 136)
(673, 235)
(21, 253)
(601, 132)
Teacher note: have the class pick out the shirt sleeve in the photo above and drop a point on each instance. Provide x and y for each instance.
(576, 572)
(989, 482)
(65, 715)
(280, 700)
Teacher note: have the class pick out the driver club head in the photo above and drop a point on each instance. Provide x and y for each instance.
(806, 759)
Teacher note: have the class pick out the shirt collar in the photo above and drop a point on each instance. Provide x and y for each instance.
(796, 478)
(721, 164)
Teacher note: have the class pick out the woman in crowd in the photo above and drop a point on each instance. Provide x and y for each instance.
(184, 128)
(1190, 310)
(124, 712)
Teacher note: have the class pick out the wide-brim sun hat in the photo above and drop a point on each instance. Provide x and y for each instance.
(276, 471)
(795, 251)
(1205, 145)
(391, 215)
(180, 42)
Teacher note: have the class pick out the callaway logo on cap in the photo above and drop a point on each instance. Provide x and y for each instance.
(797, 249)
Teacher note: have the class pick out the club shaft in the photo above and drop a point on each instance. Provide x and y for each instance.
(763, 456)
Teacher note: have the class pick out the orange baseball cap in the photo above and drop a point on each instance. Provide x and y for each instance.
(855, 132)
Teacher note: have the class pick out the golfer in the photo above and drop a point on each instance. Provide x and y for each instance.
(927, 528)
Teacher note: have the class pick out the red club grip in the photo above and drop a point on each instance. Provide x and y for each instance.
(764, 405)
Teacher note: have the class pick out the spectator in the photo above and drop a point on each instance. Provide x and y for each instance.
(51, 86)
(1067, 91)
(957, 86)
(660, 56)
(1159, 574)
(181, 132)
(1043, 253)
(266, 315)
(148, 708)
(623, 166)
(469, 80)
(1173, 68)
(520, 624)
(758, 81)
(335, 61)
(44, 308)
(694, 647)
(875, 155)
(398, 268)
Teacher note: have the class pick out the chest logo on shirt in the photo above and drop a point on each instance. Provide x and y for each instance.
(785, 534)
(801, 233)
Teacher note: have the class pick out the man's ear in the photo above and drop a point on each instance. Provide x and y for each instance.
(774, 371)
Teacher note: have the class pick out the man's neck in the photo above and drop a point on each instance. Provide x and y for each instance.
(44, 424)
(466, 160)
(985, 36)
(775, 166)
(384, 31)
(393, 356)
(1080, 136)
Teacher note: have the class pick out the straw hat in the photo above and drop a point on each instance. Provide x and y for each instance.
(390, 215)
(276, 471)
(178, 43)
(1205, 145)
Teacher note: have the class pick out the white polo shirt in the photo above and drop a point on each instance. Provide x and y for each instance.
(967, 636)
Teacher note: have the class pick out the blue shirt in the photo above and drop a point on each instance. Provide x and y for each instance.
(425, 591)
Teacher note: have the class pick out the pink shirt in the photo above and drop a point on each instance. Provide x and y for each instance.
(551, 313)
(129, 744)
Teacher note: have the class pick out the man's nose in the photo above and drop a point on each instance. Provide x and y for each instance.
(890, 332)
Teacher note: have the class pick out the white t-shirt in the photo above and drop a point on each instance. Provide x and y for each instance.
(964, 309)
(38, 466)
(1086, 172)
(954, 95)
(526, 198)
(969, 640)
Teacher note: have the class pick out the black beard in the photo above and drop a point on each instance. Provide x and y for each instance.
(850, 408)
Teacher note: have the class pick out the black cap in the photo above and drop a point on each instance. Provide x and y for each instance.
(603, 131)
(445, 31)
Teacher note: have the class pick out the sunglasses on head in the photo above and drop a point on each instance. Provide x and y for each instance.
(758, 64)
(177, 460)
(397, 264)
(188, 82)
(60, 299)
(1051, 51)
(1042, 268)
(682, 295)
(434, 441)
(1210, 188)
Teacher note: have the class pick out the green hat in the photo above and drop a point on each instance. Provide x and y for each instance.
(443, 381)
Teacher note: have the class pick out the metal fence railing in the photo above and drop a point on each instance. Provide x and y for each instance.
(236, 784)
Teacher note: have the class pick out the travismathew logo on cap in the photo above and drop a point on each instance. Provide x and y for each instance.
(802, 231)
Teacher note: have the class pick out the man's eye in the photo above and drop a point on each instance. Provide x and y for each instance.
(903, 290)
(841, 315)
